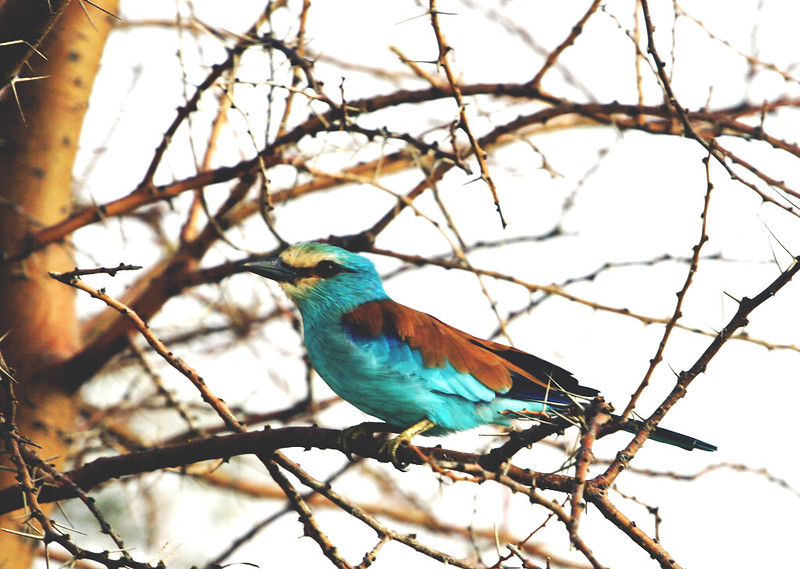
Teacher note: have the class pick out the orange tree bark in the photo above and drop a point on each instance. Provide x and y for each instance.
(36, 161)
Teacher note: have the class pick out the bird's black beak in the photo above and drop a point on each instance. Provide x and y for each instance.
(273, 268)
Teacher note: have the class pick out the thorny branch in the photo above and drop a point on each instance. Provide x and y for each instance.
(621, 116)
(216, 403)
(579, 487)
(603, 482)
(28, 467)
(615, 113)
(681, 295)
(381, 150)
(463, 123)
(268, 455)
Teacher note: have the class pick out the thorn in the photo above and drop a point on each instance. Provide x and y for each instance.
(30, 535)
(732, 297)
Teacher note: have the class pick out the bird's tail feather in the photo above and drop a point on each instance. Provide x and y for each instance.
(669, 437)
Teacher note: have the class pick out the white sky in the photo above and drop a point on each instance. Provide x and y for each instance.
(642, 200)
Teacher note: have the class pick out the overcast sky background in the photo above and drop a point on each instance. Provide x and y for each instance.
(642, 199)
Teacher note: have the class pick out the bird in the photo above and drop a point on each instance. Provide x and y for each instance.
(410, 369)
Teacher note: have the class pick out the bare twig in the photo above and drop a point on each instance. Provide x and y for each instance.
(463, 124)
(739, 320)
(681, 296)
(216, 403)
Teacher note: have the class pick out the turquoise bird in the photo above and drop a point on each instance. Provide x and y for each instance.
(410, 369)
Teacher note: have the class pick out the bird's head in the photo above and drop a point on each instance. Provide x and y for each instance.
(322, 279)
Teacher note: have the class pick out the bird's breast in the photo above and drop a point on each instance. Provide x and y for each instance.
(358, 373)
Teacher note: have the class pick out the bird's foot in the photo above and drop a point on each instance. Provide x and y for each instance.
(352, 434)
(389, 448)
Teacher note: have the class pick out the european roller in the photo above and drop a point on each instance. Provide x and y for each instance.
(410, 369)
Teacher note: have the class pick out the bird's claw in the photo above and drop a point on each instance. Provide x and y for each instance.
(351, 435)
(389, 450)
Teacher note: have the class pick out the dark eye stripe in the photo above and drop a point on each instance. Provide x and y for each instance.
(324, 270)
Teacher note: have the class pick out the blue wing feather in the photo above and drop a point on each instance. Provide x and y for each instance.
(396, 356)
(454, 379)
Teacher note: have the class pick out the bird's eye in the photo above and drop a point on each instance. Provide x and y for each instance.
(326, 269)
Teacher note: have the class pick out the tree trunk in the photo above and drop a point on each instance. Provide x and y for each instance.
(36, 161)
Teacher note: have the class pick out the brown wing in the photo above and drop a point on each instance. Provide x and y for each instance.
(497, 366)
